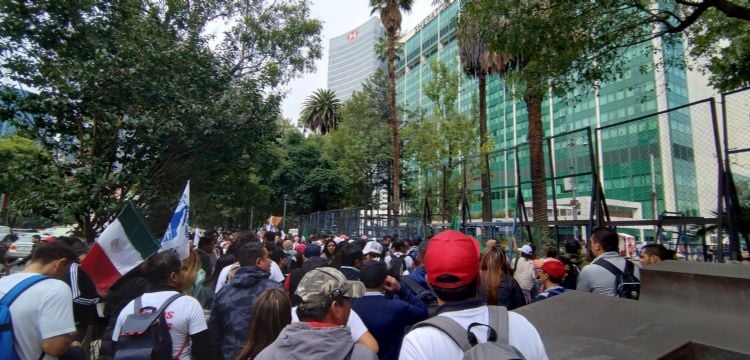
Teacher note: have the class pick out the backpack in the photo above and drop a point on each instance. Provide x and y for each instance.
(496, 347)
(145, 335)
(396, 266)
(7, 342)
(627, 286)
(426, 296)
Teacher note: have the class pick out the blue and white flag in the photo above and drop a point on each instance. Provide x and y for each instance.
(177, 234)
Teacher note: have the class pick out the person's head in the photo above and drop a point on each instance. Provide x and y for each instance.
(207, 242)
(421, 251)
(269, 236)
(329, 248)
(279, 257)
(526, 251)
(165, 268)
(550, 251)
(272, 311)
(351, 255)
(490, 244)
(398, 246)
(312, 251)
(655, 253)
(254, 254)
(325, 296)
(287, 245)
(604, 240)
(452, 265)
(372, 251)
(572, 246)
(387, 240)
(494, 267)
(222, 262)
(190, 267)
(36, 238)
(52, 259)
(373, 274)
(552, 272)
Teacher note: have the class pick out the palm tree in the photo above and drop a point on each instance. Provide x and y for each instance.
(390, 17)
(478, 62)
(321, 111)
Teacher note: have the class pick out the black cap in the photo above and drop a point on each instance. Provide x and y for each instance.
(277, 255)
(373, 274)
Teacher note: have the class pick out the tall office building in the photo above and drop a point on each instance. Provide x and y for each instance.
(626, 152)
(352, 58)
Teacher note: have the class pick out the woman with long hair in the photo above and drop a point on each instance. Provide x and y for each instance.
(498, 285)
(272, 312)
(329, 251)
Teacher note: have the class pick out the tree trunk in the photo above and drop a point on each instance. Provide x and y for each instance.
(533, 101)
(484, 166)
(394, 124)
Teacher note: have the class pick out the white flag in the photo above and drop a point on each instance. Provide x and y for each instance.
(177, 234)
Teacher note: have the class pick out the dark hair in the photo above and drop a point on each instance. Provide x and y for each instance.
(422, 250)
(398, 245)
(47, 253)
(659, 251)
(349, 254)
(249, 253)
(607, 238)
(461, 293)
(161, 265)
(572, 246)
(316, 313)
(325, 247)
(494, 267)
(206, 240)
(550, 251)
(244, 237)
(269, 236)
(271, 313)
(222, 262)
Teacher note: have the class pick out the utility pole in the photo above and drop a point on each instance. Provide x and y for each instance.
(573, 201)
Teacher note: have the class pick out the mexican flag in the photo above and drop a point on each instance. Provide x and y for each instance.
(122, 246)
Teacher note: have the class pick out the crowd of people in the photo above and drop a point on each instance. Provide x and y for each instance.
(260, 295)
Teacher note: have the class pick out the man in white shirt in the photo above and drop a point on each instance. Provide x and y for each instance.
(452, 265)
(187, 324)
(42, 315)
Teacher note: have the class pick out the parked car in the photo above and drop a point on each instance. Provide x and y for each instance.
(21, 247)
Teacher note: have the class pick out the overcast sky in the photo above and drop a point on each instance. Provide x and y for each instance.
(339, 17)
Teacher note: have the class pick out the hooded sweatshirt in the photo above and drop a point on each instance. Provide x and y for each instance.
(300, 341)
(233, 306)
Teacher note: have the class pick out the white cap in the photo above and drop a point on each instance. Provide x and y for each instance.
(373, 247)
(526, 249)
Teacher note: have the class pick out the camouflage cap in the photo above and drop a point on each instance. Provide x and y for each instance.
(320, 284)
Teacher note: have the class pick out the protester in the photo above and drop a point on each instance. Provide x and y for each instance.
(205, 250)
(655, 253)
(324, 311)
(386, 318)
(398, 263)
(373, 251)
(551, 275)
(523, 271)
(452, 264)
(130, 286)
(329, 252)
(573, 261)
(85, 299)
(351, 259)
(281, 260)
(595, 277)
(234, 303)
(42, 315)
(184, 315)
(273, 311)
(498, 285)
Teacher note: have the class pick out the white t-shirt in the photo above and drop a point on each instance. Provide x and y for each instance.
(184, 317)
(355, 323)
(276, 275)
(43, 311)
(428, 343)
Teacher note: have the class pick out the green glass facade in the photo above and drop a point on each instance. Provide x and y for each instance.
(625, 150)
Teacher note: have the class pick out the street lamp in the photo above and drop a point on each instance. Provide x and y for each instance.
(283, 218)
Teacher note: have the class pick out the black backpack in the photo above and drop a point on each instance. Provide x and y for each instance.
(145, 335)
(425, 295)
(627, 286)
(497, 345)
(396, 266)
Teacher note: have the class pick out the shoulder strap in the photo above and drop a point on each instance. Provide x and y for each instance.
(19, 288)
(628, 267)
(515, 264)
(499, 322)
(351, 351)
(158, 311)
(609, 266)
(451, 328)
(413, 285)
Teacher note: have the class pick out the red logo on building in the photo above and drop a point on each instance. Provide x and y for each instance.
(352, 35)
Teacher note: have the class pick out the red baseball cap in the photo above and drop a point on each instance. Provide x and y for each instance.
(454, 253)
(554, 268)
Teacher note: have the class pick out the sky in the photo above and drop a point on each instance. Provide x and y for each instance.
(339, 17)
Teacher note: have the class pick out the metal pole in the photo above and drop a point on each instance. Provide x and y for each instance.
(653, 197)
(252, 211)
(283, 218)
